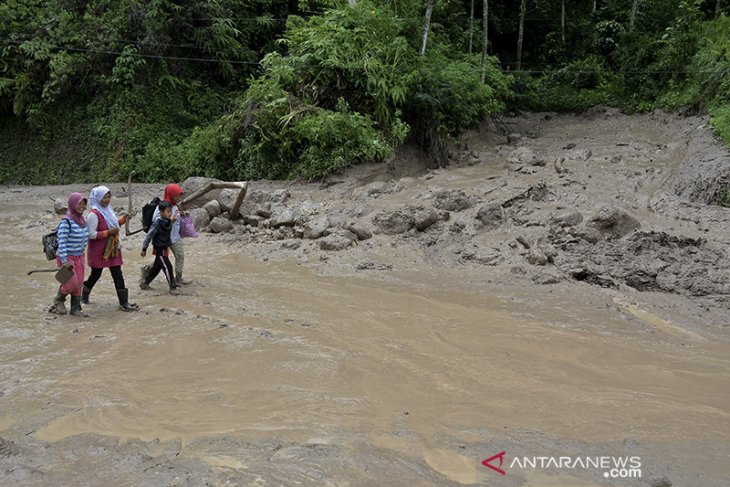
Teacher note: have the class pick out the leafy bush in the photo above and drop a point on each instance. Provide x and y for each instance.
(586, 73)
(446, 97)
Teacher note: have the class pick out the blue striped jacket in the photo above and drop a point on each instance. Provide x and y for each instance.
(72, 239)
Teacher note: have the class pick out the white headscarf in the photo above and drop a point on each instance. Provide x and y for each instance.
(97, 194)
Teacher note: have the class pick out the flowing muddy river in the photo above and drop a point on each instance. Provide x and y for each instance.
(397, 360)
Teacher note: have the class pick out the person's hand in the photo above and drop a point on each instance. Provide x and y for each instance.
(173, 218)
(113, 231)
(143, 253)
(68, 265)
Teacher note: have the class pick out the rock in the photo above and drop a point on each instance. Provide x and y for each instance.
(213, 208)
(221, 225)
(191, 185)
(200, 217)
(359, 229)
(536, 257)
(282, 216)
(339, 240)
(258, 196)
(227, 198)
(291, 244)
(525, 155)
(453, 200)
(491, 216)
(309, 207)
(377, 187)
(513, 137)
(569, 218)
(589, 234)
(253, 220)
(264, 211)
(393, 222)
(580, 155)
(613, 222)
(660, 482)
(457, 227)
(60, 206)
(545, 278)
(279, 196)
(314, 229)
(368, 266)
(425, 217)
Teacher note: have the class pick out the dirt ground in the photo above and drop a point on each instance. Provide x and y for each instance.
(562, 289)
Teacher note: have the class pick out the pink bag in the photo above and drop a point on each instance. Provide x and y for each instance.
(187, 227)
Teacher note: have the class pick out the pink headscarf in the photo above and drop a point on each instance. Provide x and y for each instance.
(73, 202)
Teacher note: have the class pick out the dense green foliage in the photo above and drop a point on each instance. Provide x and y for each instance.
(91, 89)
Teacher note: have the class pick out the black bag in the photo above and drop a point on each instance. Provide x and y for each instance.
(148, 211)
(50, 241)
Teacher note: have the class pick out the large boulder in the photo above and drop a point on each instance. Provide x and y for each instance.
(568, 218)
(525, 156)
(453, 200)
(393, 222)
(213, 208)
(425, 217)
(60, 206)
(200, 217)
(314, 229)
(339, 240)
(491, 216)
(359, 229)
(191, 185)
(613, 222)
(279, 196)
(227, 198)
(221, 225)
(283, 216)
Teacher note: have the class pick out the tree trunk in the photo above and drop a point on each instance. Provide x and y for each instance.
(523, 8)
(562, 21)
(485, 41)
(351, 2)
(633, 15)
(471, 26)
(717, 8)
(594, 6)
(426, 27)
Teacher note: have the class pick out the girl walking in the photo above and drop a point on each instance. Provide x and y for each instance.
(104, 246)
(172, 195)
(72, 239)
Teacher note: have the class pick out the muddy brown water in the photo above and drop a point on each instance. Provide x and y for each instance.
(279, 373)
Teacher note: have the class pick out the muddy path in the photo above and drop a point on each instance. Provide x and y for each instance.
(478, 316)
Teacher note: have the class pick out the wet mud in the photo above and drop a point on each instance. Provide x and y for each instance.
(554, 296)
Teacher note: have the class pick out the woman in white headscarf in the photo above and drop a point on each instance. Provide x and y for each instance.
(104, 247)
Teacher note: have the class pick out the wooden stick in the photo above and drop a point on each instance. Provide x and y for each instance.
(242, 185)
(127, 231)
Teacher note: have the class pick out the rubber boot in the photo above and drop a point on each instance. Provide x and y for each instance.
(144, 271)
(124, 304)
(180, 281)
(59, 304)
(85, 295)
(76, 307)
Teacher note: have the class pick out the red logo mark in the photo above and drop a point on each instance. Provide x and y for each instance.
(496, 469)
